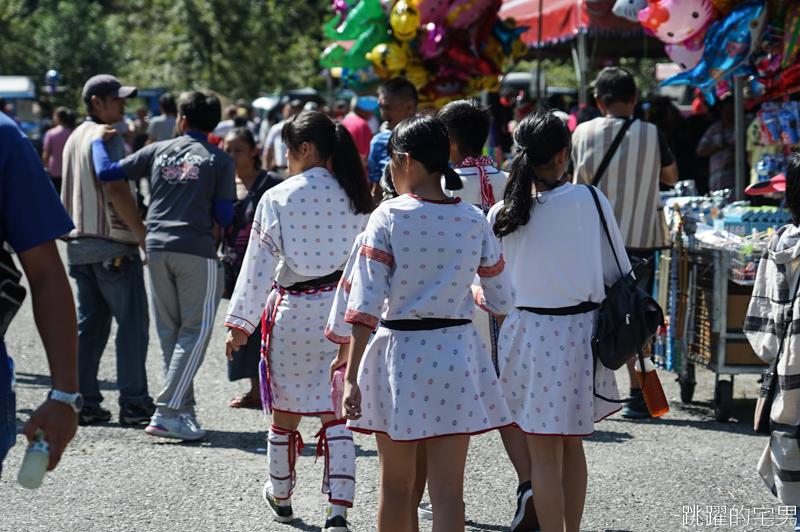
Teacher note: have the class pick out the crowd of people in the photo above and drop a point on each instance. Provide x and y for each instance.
(396, 253)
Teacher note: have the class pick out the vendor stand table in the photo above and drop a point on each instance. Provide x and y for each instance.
(707, 312)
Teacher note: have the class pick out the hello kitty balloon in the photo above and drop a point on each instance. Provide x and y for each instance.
(674, 21)
(683, 56)
(629, 9)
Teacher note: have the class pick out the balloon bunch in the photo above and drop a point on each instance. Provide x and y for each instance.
(449, 49)
(714, 40)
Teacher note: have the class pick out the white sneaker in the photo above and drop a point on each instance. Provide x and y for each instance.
(183, 427)
(425, 511)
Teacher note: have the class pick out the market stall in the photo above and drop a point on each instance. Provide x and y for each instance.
(705, 283)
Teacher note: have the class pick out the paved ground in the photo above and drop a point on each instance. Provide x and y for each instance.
(642, 475)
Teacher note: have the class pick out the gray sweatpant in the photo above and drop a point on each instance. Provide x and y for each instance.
(185, 291)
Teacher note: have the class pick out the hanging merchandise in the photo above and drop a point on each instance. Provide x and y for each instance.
(448, 49)
(675, 21)
(728, 45)
(791, 38)
(629, 9)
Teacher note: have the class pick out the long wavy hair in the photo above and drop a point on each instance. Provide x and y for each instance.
(538, 138)
(793, 188)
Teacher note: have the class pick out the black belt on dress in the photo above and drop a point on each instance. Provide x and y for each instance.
(315, 283)
(581, 308)
(424, 324)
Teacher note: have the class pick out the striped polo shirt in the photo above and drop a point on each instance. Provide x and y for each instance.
(631, 182)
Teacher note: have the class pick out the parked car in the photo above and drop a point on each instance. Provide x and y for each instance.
(21, 96)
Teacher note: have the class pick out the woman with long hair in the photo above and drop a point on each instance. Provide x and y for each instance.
(559, 258)
(302, 235)
(425, 380)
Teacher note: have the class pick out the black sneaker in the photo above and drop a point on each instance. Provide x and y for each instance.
(336, 524)
(283, 514)
(135, 415)
(636, 409)
(90, 415)
(525, 518)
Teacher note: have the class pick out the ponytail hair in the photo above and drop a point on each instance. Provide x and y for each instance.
(425, 139)
(538, 138)
(245, 135)
(334, 144)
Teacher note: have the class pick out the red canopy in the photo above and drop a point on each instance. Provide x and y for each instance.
(562, 20)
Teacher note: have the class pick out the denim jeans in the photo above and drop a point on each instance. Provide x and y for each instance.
(8, 425)
(103, 293)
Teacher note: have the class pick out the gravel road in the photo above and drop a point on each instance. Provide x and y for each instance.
(643, 475)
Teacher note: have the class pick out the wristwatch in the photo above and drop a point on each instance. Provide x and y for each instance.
(74, 400)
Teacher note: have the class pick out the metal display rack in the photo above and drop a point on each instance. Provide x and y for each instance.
(711, 288)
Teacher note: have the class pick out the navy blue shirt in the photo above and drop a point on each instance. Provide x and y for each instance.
(30, 211)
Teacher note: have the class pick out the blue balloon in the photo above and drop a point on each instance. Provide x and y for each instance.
(506, 34)
(52, 77)
(729, 43)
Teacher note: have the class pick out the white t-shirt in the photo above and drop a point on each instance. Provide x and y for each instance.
(471, 193)
(561, 257)
(274, 139)
(223, 127)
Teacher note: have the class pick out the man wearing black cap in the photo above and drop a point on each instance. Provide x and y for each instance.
(103, 258)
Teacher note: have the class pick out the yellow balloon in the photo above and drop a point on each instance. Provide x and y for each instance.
(404, 21)
(388, 56)
(417, 75)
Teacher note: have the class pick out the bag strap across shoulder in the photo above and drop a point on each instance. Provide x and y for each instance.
(611, 151)
(605, 226)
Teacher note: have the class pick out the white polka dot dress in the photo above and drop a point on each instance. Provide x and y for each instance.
(304, 229)
(547, 376)
(418, 260)
(560, 258)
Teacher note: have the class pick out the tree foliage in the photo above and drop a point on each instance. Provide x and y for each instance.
(235, 47)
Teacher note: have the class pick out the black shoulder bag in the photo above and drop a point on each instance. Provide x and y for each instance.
(611, 151)
(770, 383)
(628, 317)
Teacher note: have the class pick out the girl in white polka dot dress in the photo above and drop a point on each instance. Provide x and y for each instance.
(426, 377)
(302, 235)
(560, 262)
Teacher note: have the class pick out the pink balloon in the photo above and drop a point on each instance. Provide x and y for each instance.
(675, 21)
(685, 58)
(432, 11)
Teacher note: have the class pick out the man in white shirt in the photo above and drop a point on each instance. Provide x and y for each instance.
(226, 125)
(274, 156)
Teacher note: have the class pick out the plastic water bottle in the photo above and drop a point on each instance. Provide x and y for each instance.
(652, 390)
(35, 462)
(13, 375)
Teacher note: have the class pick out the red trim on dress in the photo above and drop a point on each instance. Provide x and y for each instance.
(345, 284)
(368, 431)
(568, 435)
(492, 271)
(239, 318)
(362, 318)
(232, 326)
(446, 202)
(377, 254)
(331, 412)
(335, 338)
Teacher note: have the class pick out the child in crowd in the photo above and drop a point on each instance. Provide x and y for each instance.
(426, 378)
(546, 365)
(302, 235)
(468, 123)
